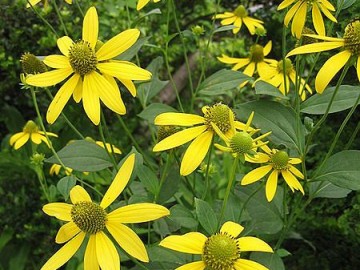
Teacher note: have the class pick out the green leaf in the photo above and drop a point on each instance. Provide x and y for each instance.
(224, 28)
(344, 99)
(19, 259)
(83, 156)
(271, 260)
(206, 216)
(154, 109)
(344, 4)
(221, 82)
(342, 170)
(264, 88)
(148, 179)
(170, 186)
(133, 50)
(65, 184)
(277, 118)
(6, 235)
(183, 216)
(325, 189)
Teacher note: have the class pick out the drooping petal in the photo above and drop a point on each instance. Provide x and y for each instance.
(271, 185)
(65, 253)
(61, 211)
(296, 172)
(231, 60)
(237, 24)
(290, 14)
(285, 4)
(141, 4)
(91, 27)
(250, 243)
(64, 44)
(299, 20)
(79, 194)
(224, 15)
(15, 137)
(57, 61)
(129, 86)
(21, 140)
(49, 78)
(120, 181)
(316, 47)
(326, 11)
(118, 44)
(243, 264)
(137, 213)
(267, 48)
(61, 98)
(200, 265)
(196, 153)
(192, 242)
(252, 24)
(178, 119)
(66, 232)
(90, 258)
(256, 175)
(292, 181)
(106, 252)
(128, 240)
(90, 98)
(318, 20)
(231, 228)
(228, 21)
(358, 68)
(250, 69)
(124, 70)
(32, 3)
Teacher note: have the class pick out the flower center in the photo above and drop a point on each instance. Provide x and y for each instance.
(89, 217)
(30, 127)
(288, 66)
(31, 64)
(220, 252)
(257, 53)
(352, 37)
(219, 115)
(280, 160)
(241, 12)
(241, 143)
(82, 57)
(165, 131)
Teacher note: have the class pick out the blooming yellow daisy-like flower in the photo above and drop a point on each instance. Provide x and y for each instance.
(237, 18)
(350, 45)
(35, 2)
(200, 130)
(221, 251)
(86, 219)
(274, 75)
(92, 71)
(298, 12)
(143, 3)
(276, 162)
(30, 131)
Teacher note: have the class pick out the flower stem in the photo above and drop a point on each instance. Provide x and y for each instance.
(102, 125)
(43, 19)
(60, 18)
(207, 181)
(163, 175)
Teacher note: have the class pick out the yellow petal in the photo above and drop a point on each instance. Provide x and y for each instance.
(66, 232)
(267, 48)
(124, 70)
(128, 240)
(90, 259)
(90, 98)
(118, 44)
(316, 47)
(196, 153)
(178, 119)
(36, 138)
(296, 172)
(290, 14)
(32, 3)
(318, 20)
(358, 68)
(57, 61)
(237, 24)
(243, 264)
(256, 175)
(61, 98)
(299, 20)
(200, 265)
(327, 5)
(91, 27)
(21, 141)
(65, 253)
(231, 228)
(250, 69)
(49, 78)
(120, 181)
(285, 4)
(329, 70)
(224, 15)
(292, 182)
(79, 194)
(192, 242)
(129, 86)
(230, 60)
(271, 185)
(179, 138)
(326, 11)
(228, 21)
(252, 24)
(61, 211)
(64, 44)
(77, 94)
(106, 252)
(15, 137)
(249, 243)
(141, 4)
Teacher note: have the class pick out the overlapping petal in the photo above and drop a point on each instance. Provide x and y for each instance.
(90, 258)
(66, 232)
(79, 194)
(192, 243)
(106, 252)
(49, 78)
(90, 97)
(231, 228)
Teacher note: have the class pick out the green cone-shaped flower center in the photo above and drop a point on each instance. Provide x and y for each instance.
(82, 57)
(280, 160)
(219, 115)
(89, 217)
(165, 131)
(220, 252)
(31, 64)
(352, 37)
(30, 127)
(288, 66)
(241, 11)
(257, 53)
(241, 143)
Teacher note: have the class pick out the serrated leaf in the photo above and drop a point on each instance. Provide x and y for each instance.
(183, 216)
(154, 109)
(206, 216)
(65, 184)
(264, 88)
(325, 189)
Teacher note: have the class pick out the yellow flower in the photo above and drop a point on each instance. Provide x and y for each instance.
(143, 3)
(55, 169)
(200, 130)
(237, 18)
(109, 147)
(92, 71)
(221, 251)
(298, 11)
(350, 45)
(276, 162)
(30, 131)
(274, 75)
(86, 219)
(35, 2)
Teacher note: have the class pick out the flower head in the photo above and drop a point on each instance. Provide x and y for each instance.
(91, 70)
(237, 18)
(88, 219)
(221, 251)
(276, 162)
(31, 64)
(297, 13)
(30, 131)
(35, 2)
(350, 45)
(143, 3)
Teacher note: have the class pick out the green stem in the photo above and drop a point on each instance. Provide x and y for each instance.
(187, 181)
(43, 19)
(163, 175)
(42, 181)
(207, 180)
(79, 8)
(353, 136)
(110, 153)
(60, 18)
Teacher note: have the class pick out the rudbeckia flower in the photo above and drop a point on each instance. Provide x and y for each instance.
(276, 162)
(143, 3)
(200, 130)
(86, 219)
(350, 45)
(92, 71)
(219, 251)
(298, 11)
(35, 2)
(237, 18)
(30, 132)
